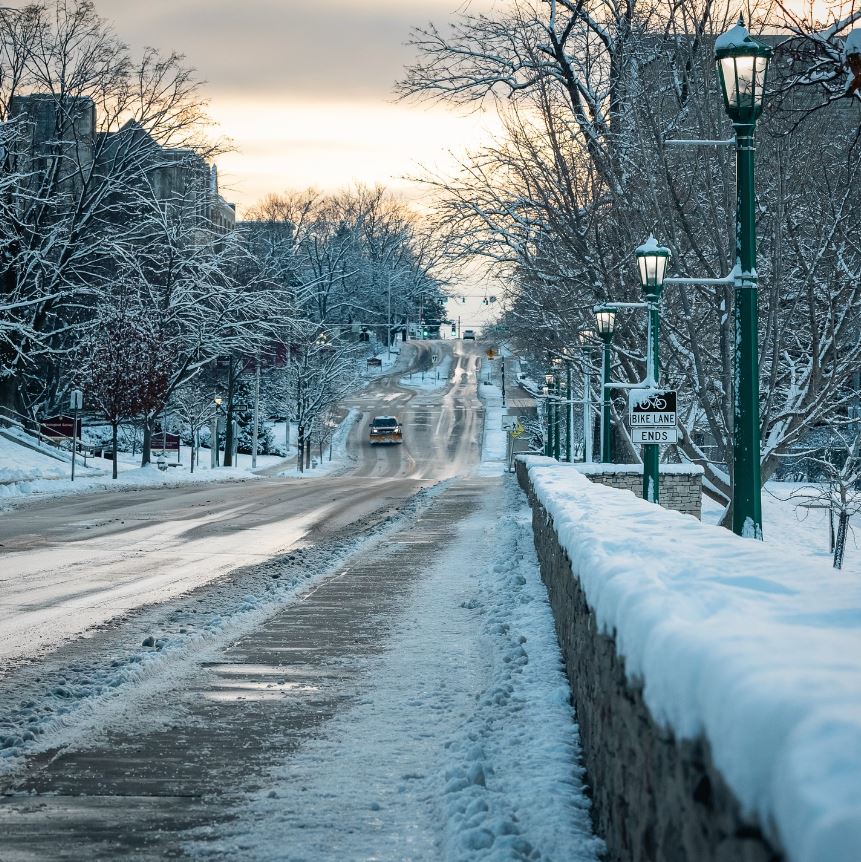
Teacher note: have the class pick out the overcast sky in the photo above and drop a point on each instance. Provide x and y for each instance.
(304, 88)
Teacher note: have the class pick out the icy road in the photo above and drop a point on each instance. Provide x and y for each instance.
(360, 667)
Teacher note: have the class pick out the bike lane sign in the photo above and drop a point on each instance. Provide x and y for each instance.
(652, 414)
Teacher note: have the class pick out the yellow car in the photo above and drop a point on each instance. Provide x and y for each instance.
(385, 429)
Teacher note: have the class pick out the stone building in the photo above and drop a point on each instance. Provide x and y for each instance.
(62, 135)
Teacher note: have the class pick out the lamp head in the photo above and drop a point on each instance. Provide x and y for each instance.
(742, 64)
(652, 260)
(605, 320)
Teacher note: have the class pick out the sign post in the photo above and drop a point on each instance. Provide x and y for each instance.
(76, 402)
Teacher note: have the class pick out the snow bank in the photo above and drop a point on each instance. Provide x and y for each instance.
(20, 464)
(494, 446)
(339, 451)
(745, 644)
(128, 480)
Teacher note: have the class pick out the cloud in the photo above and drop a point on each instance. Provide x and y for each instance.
(299, 48)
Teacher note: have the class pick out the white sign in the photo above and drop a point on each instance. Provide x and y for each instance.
(655, 435)
(653, 420)
(76, 399)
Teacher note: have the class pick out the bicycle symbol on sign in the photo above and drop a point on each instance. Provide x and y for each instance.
(654, 403)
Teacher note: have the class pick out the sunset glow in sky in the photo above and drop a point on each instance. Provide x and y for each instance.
(304, 89)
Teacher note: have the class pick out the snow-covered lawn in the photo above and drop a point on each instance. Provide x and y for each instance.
(28, 474)
(805, 530)
(756, 646)
(461, 744)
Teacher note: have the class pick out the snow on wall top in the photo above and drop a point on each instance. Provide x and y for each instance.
(750, 646)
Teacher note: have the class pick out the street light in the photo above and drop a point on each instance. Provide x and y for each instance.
(742, 65)
(652, 260)
(605, 319)
(549, 380)
(587, 337)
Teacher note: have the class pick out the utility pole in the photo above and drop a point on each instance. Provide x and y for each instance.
(77, 402)
(569, 412)
(256, 426)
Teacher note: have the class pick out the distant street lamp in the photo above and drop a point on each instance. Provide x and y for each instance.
(549, 381)
(652, 262)
(556, 363)
(605, 320)
(213, 442)
(742, 65)
(567, 357)
(587, 337)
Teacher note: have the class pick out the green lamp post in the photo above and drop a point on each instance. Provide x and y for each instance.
(742, 65)
(556, 364)
(568, 356)
(652, 260)
(605, 323)
(548, 407)
(549, 381)
(586, 337)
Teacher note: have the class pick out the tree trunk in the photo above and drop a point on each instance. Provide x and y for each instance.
(147, 439)
(300, 448)
(114, 436)
(228, 430)
(193, 442)
(308, 453)
(840, 543)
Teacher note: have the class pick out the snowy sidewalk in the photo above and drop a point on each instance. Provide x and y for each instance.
(412, 707)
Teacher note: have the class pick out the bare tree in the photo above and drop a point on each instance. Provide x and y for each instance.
(589, 94)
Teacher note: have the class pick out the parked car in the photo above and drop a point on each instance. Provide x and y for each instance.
(469, 335)
(385, 429)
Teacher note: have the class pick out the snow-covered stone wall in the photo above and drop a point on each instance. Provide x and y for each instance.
(681, 484)
(715, 679)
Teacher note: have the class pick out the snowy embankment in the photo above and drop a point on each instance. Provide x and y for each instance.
(48, 478)
(747, 645)
(339, 455)
(494, 447)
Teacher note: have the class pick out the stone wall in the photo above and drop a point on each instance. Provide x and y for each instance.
(681, 484)
(655, 799)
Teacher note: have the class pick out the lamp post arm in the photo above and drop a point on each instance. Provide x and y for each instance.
(696, 142)
(727, 280)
